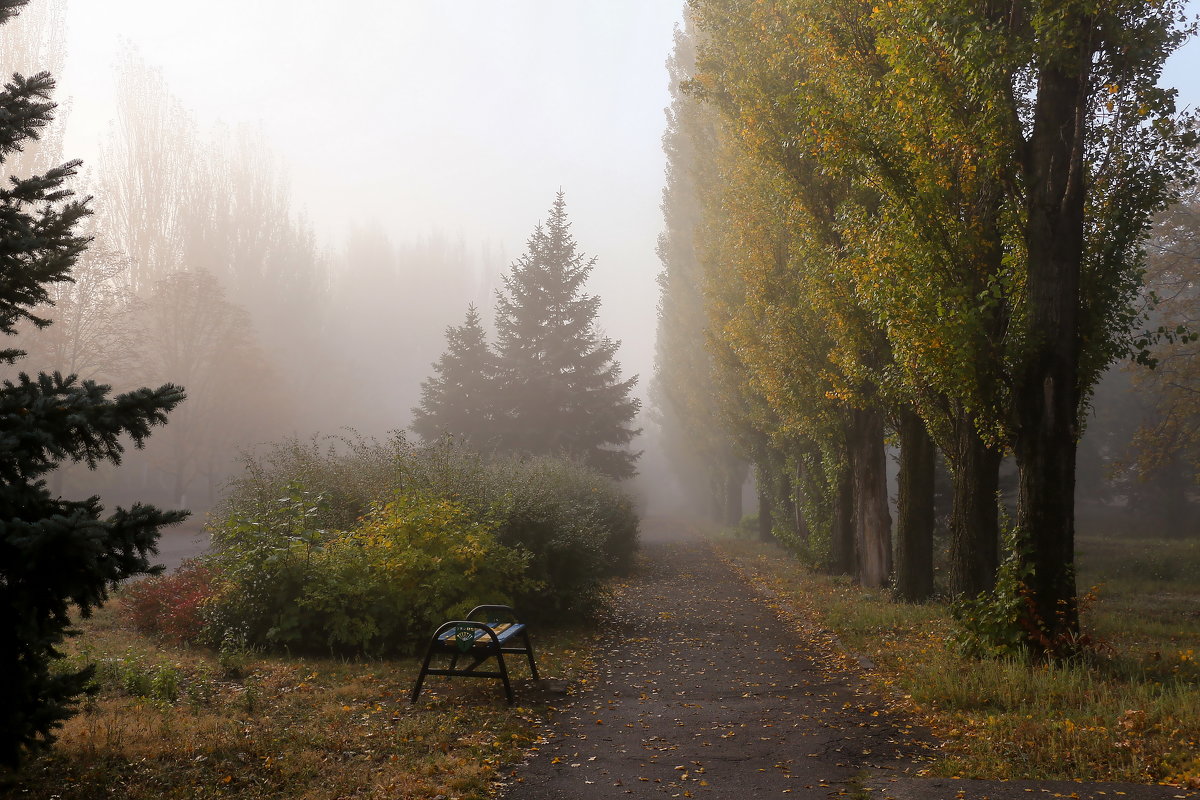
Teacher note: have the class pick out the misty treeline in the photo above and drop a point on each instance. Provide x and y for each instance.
(926, 224)
(201, 271)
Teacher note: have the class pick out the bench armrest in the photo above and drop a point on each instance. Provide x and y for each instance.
(452, 627)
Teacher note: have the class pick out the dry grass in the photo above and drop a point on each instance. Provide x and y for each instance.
(186, 723)
(1132, 713)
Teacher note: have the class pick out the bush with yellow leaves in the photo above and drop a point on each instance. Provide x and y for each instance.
(377, 588)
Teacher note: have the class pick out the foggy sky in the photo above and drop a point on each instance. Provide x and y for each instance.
(462, 118)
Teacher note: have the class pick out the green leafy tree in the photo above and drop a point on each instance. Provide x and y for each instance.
(459, 399)
(1097, 151)
(560, 390)
(55, 554)
(776, 231)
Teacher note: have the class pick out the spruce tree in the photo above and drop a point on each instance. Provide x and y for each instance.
(458, 400)
(57, 557)
(560, 389)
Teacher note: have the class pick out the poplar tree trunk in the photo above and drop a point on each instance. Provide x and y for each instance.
(733, 498)
(872, 518)
(784, 498)
(974, 520)
(842, 554)
(1047, 390)
(763, 486)
(915, 510)
(1177, 507)
(802, 530)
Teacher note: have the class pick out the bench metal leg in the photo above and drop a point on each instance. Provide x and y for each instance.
(508, 692)
(529, 652)
(416, 692)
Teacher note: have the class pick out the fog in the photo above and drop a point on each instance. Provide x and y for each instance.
(452, 119)
(350, 178)
(392, 160)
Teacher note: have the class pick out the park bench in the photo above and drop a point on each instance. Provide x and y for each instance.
(478, 641)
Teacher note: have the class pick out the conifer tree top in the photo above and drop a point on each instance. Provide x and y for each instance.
(560, 387)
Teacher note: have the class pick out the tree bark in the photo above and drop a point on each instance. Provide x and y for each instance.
(1177, 505)
(872, 518)
(733, 498)
(974, 515)
(763, 487)
(1047, 388)
(915, 510)
(802, 531)
(784, 495)
(841, 555)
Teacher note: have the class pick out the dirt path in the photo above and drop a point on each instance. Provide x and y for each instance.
(707, 692)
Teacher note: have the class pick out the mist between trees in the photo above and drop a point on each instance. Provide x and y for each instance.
(202, 272)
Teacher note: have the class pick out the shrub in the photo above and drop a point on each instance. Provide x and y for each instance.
(171, 606)
(380, 587)
(576, 525)
(1004, 621)
(349, 473)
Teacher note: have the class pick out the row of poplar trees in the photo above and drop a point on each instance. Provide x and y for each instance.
(923, 219)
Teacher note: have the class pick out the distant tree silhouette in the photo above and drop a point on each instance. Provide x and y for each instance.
(459, 399)
(192, 332)
(559, 389)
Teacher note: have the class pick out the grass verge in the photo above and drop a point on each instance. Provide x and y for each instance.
(177, 722)
(1132, 713)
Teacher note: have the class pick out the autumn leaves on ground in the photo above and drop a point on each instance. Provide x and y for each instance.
(750, 678)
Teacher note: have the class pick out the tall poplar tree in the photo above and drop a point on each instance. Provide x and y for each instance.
(560, 390)
(57, 557)
(702, 450)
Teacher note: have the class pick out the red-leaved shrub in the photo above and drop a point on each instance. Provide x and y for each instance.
(170, 605)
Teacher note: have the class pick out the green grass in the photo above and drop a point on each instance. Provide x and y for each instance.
(1148, 595)
(1130, 713)
(178, 722)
